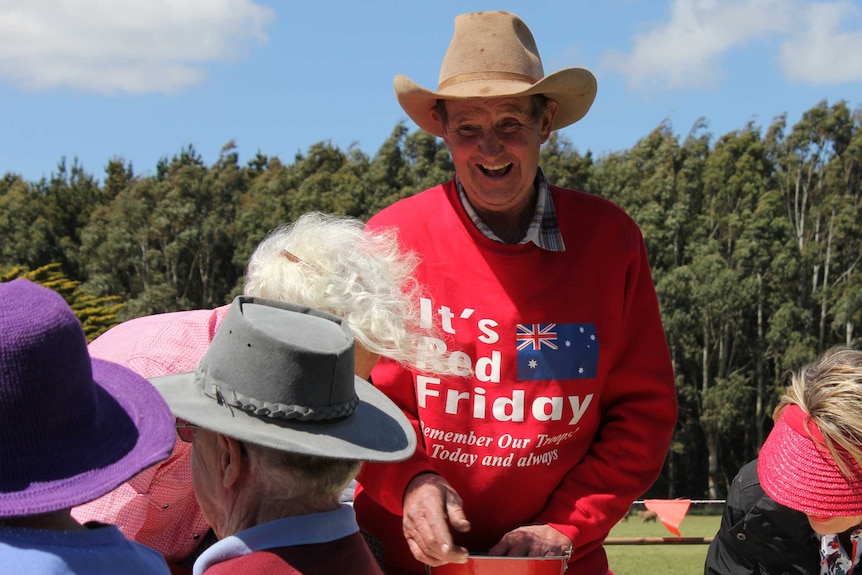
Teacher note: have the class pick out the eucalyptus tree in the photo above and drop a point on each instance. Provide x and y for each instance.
(328, 180)
(427, 161)
(189, 231)
(27, 234)
(802, 158)
(648, 181)
(738, 241)
(843, 277)
(681, 226)
(223, 185)
(388, 179)
(261, 207)
(162, 242)
(118, 175)
(116, 246)
(70, 195)
(565, 166)
(643, 181)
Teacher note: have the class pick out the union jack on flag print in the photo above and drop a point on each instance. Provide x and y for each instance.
(556, 351)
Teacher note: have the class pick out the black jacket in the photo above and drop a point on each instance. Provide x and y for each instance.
(760, 537)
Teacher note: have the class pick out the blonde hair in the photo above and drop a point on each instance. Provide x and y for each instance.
(334, 264)
(830, 391)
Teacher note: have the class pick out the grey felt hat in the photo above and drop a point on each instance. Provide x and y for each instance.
(281, 376)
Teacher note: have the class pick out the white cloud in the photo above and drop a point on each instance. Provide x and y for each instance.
(687, 50)
(823, 53)
(110, 46)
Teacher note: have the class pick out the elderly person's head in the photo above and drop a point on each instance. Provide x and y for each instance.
(494, 107)
(812, 459)
(333, 264)
(71, 427)
(278, 420)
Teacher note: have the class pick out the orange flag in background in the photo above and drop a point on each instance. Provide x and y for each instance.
(670, 512)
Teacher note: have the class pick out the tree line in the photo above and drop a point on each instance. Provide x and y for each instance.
(753, 237)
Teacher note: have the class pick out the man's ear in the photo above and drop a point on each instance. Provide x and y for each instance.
(548, 115)
(435, 116)
(232, 461)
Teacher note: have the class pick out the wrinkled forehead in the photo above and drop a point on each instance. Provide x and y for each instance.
(466, 109)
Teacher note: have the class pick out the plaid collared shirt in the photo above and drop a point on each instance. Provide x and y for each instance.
(544, 231)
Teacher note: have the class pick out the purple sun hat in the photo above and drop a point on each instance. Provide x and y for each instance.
(72, 428)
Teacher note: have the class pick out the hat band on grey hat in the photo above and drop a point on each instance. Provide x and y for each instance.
(282, 376)
(211, 387)
(494, 55)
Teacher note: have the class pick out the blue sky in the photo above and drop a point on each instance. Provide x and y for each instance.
(141, 79)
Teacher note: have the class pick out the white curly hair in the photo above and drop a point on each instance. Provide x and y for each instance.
(332, 263)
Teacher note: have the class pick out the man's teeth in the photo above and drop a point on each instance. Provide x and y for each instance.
(495, 168)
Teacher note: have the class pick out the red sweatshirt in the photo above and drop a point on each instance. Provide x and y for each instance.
(569, 413)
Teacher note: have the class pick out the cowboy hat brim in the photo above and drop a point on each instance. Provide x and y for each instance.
(376, 431)
(574, 90)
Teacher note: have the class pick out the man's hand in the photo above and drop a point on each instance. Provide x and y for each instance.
(533, 541)
(431, 506)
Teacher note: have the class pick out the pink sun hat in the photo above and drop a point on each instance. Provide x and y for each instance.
(798, 471)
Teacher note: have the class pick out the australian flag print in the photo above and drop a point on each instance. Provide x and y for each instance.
(556, 351)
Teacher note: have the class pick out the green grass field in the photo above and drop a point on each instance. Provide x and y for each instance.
(660, 559)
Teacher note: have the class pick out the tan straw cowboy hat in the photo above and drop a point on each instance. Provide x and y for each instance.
(493, 55)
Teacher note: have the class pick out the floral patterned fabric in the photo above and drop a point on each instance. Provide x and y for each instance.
(834, 559)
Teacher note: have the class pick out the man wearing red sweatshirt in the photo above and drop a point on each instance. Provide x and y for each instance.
(567, 405)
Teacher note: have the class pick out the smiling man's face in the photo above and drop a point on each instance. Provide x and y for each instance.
(495, 149)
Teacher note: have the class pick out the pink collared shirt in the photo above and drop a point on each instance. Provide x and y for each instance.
(157, 507)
